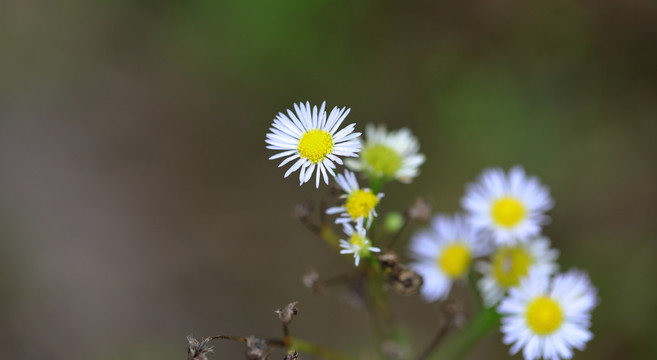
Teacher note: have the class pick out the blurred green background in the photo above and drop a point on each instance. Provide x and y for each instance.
(138, 205)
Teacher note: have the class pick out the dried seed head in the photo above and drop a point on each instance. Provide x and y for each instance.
(197, 349)
(420, 210)
(303, 210)
(405, 281)
(287, 313)
(256, 349)
(294, 355)
(311, 281)
(388, 260)
(455, 312)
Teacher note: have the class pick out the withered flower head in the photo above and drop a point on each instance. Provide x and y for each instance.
(420, 210)
(197, 349)
(388, 260)
(256, 349)
(303, 210)
(311, 281)
(404, 280)
(286, 313)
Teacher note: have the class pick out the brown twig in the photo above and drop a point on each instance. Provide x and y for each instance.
(228, 337)
(454, 315)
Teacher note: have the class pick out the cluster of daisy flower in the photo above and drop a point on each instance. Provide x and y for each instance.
(498, 234)
(317, 143)
(544, 314)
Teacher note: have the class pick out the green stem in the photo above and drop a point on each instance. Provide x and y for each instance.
(459, 344)
(303, 346)
(327, 233)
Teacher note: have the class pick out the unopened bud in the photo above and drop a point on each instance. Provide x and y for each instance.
(394, 222)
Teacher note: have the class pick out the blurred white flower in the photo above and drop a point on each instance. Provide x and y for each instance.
(509, 264)
(443, 253)
(547, 318)
(388, 155)
(508, 208)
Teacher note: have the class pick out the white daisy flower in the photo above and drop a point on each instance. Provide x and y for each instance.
(547, 318)
(443, 254)
(313, 140)
(359, 202)
(389, 155)
(358, 243)
(509, 264)
(509, 208)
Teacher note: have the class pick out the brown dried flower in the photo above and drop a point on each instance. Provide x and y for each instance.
(405, 281)
(303, 210)
(420, 210)
(311, 281)
(197, 349)
(256, 349)
(287, 313)
(400, 277)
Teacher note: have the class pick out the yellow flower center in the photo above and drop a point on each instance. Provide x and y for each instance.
(361, 244)
(315, 145)
(455, 260)
(383, 160)
(357, 240)
(510, 264)
(360, 203)
(508, 211)
(544, 315)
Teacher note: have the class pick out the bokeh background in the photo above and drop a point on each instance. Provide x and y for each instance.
(137, 204)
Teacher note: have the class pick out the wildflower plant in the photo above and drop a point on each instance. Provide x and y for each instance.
(493, 249)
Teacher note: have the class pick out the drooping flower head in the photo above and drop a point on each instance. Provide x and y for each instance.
(546, 317)
(510, 263)
(443, 254)
(358, 243)
(358, 202)
(313, 140)
(389, 155)
(509, 208)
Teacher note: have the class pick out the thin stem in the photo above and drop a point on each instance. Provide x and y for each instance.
(327, 233)
(228, 337)
(340, 279)
(458, 345)
(267, 354)
(303, 346)
(393, 239)
(442, 331)
(314, 228)
(287, 338)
